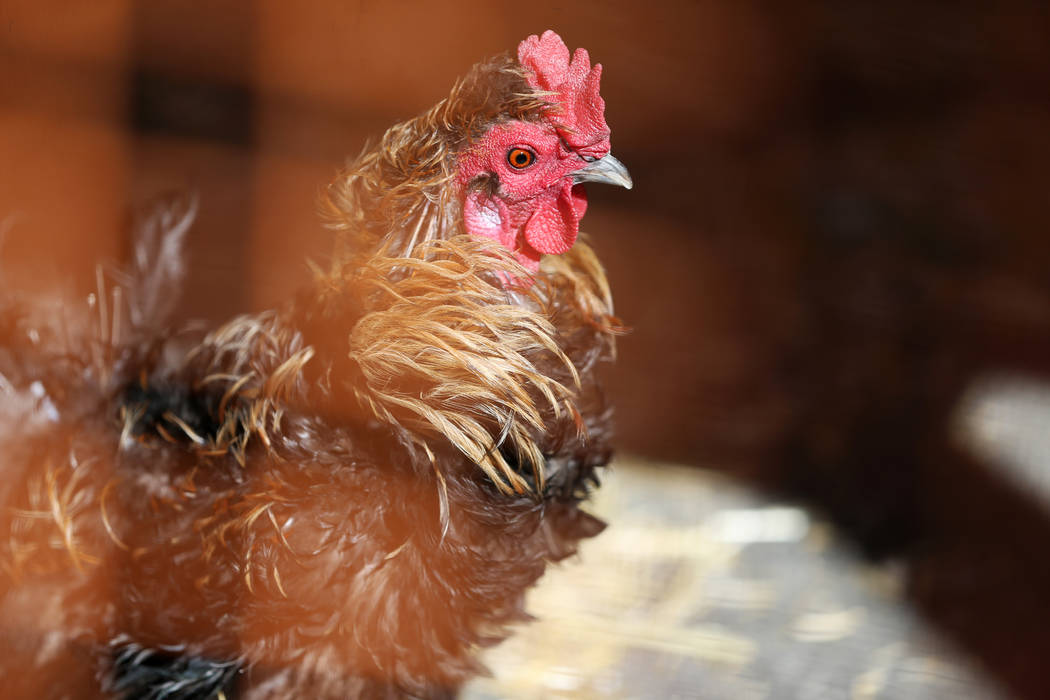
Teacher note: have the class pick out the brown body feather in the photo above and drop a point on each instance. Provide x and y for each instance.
(343, 497)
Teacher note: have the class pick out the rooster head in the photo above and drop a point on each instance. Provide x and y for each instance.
(521, 181)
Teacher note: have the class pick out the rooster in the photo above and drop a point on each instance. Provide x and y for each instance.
(349, 495)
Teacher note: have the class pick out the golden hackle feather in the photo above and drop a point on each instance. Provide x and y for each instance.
(448, 350)
(583, 278)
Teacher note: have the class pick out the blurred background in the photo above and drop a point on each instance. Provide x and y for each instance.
(835, 262)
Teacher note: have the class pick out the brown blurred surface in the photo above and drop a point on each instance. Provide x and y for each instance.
(838, 225)
(63, 141)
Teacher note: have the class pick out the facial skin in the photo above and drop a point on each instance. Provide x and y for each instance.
(536, 208)
(521, 187)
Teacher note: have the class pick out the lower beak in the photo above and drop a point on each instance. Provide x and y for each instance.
(607, 170)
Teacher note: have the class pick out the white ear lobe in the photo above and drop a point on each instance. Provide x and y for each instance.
(487, 217)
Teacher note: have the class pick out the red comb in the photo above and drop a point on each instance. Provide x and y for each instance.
(581, 120)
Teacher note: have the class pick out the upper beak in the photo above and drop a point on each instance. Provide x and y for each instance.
(607, 170)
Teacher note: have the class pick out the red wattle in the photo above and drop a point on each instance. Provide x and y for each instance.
(553, 227)
(579, 200)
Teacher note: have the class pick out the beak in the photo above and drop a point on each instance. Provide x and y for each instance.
(607, 170)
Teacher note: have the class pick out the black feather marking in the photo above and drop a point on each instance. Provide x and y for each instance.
(143, 673)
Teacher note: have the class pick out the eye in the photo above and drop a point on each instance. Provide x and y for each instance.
(520, 158)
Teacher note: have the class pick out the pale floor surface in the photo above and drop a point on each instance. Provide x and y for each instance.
(699, 589)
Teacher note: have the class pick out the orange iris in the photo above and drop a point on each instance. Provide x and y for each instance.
(520, 158)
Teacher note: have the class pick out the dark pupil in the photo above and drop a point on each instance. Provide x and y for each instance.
(521, 158)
